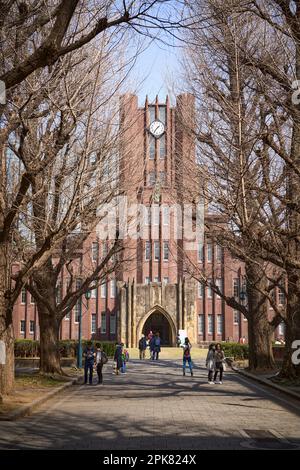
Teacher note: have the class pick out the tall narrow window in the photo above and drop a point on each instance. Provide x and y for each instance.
(219, 284)
(166, 215)
(147, 251)
(23, 295)
(201, 324)
(236, 317)
(156, 251)
(209, 289)
(219, 324)
(94, 251)
(103, 322)
(200, 290)
(93, 323)
(147, 215)
(162, 114)
(219, 253)
(200, 252)
(210, 324)
(103, 290)
(147, 280)
(113, 288)
(162, 178)
(209, 252)
(31, 327)
(77, 311)
(166, 280)
(235, 288)
(166, 251)
(151, 147)
(162, 147)
(151, 113)
(151, 178)
(112, 324)
(22, 326)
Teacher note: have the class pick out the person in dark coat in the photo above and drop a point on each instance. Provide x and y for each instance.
(156, 346)
(142, 346)
(118, 357)
(89, 355)
(151, 346)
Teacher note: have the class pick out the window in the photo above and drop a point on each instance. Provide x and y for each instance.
(22, 326)
(147, 215)
(281, 329)
(166, 215)
(23, 295)
(151, 113)
(112, 328)
(219, 253)
(166, 251)
(281, 296)
(156, 213)
(156, 251)
(94, 251)
(162, 177)
(151, 178)
(77, 311)
(147, 251)
(113, 288)
(93, 323)
(147, 280)
(32, 300)
(200, 290)
(210, 324)
(94, 293)
(104, 250)
(162, 114)
(219, 324)
(209, 253)
(103, 322)
(156, 279)
(58, 292)
(103, 291)
(209, 289)
(236, 317)
(166, 280)
(219, 284)
(235, 288)
(31, 327)
(151, 147)
(200, 252)
(201, 324)
(162, 147)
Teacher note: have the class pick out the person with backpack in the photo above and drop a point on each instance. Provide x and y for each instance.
(89, 356)
(156, 346)
(187, 356)
(101, 359)
(210, 363)
(142, 347)
(219, 358)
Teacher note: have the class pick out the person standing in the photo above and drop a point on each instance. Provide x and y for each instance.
(142, 347)
(187, 356)
(89, 355)
(151, 347)
(101, 359)
(210, 362)
(156, 346)
(219, 357)
(118, 357)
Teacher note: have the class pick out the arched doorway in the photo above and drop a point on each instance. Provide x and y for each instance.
(157, 322)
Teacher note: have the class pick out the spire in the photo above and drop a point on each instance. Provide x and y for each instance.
(146, 102)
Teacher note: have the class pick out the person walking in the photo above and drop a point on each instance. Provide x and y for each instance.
(118, 357)
(89, 356)
(187, 356)
(125, 359)
(219, 357)
(210, 363)
(101, 359)
(151, 347)
(142, 347)
(156, 346)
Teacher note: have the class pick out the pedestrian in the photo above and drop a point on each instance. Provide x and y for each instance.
(210, 362)
(142, 347)
(125, 359)
(151, 347)
(89, 356)
(187, 356)
(156, 346)
(178, 341)
(118, 357)
(219, 358)
(101, 359)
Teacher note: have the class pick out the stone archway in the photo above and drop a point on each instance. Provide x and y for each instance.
(158, 319)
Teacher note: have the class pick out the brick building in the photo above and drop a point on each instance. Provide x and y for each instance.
(152, 289)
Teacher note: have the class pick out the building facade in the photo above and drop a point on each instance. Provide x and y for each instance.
(153, 289)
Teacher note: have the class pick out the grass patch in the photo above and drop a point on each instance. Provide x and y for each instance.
(37, 381)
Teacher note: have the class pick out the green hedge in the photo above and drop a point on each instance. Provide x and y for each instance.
(67, 348)
(236, 350)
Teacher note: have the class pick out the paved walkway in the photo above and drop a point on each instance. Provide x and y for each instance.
(154, 407)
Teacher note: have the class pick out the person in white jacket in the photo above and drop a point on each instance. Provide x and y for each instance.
(210, 362)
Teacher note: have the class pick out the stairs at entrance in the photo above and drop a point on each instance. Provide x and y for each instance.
(170, 353)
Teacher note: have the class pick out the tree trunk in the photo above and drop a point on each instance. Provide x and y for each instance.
(7, 370)
(292, 332)
(260, 331)
(49, 336)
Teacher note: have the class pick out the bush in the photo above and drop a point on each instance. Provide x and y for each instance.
(67, 347)
(236, 350)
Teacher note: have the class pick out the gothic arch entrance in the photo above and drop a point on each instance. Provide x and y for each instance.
(158, 320)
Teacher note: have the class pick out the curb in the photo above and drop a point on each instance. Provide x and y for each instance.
(28, 409)
(270, 384)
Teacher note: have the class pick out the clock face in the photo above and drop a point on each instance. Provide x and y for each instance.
(157, 128)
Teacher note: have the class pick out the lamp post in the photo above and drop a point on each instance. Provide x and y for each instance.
(79, 355)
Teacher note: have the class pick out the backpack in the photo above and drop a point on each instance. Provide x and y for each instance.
(104, 358)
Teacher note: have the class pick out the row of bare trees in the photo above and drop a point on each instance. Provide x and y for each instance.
(242, 67)
(63, 64)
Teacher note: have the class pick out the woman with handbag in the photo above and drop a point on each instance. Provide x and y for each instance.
(219, 358)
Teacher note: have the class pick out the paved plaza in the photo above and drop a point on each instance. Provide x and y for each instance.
(154, 407)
